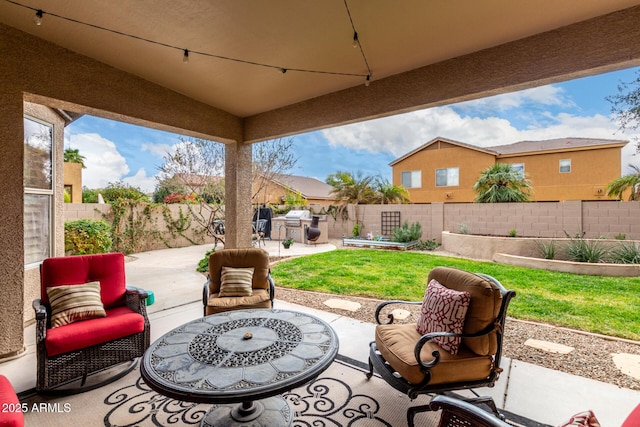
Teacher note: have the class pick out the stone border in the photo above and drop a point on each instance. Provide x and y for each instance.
(592, 269)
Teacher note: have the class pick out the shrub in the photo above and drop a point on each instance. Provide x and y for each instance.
(626, 253)
(87, 236)
(464, 228)
(203, 264)
(179, 198)
(427, 245)
(407, 233)
(356, 229)
(513, 233)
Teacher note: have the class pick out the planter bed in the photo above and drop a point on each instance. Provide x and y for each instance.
(384, 243)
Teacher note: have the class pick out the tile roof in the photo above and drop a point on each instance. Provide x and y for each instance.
(309, 187)
(559, 144)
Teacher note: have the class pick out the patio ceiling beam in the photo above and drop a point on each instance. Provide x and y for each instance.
(598, 45)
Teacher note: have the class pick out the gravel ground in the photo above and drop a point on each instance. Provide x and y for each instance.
(591, 357)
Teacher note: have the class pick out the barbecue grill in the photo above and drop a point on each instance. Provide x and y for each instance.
(294, 218)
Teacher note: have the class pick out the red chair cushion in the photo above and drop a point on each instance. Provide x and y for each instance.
(108, 269)
(120, 322)
(11, 415)
(633, 420)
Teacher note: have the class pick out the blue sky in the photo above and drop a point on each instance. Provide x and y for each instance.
(116, 151)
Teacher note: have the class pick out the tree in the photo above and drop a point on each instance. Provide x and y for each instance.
(389, 193)
(629, 182)
(72, 155)
(271, 159)
(625, 105)
(353, 189)
(501, 183)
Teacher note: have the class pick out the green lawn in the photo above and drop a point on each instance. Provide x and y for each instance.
(606, 305)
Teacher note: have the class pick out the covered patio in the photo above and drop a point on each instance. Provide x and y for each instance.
(240, 72)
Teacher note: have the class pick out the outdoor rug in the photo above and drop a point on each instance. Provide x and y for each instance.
(340, 396)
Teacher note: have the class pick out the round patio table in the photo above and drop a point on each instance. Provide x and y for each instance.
(240, 361)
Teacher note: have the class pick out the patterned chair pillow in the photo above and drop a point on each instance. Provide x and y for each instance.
(583, 419)
(236, 282)
(73, 303)
(443, 310)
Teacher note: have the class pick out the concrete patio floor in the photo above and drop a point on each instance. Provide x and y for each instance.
(537, 393)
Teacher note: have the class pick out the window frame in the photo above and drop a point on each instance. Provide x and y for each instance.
(560, 165)
(49, 193)
(448, 176)
(518, 167)
(415, 175)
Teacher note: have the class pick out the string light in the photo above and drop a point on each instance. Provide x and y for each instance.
(366, 82)
(356, 44)
(37, 19)
(355, 40)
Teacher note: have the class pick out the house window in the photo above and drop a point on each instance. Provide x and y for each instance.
(412, 179)
(38, 190)
(565, 166)
(448, 177)
(518, 168)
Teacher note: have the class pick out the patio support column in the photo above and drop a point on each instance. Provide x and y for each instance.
(237, 209)
(11, 224)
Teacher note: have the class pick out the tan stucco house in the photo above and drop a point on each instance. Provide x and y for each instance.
(444, 170)
(312, 190)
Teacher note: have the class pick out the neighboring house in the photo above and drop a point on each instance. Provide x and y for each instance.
(73, 181)
(443, 170)
(312, 190)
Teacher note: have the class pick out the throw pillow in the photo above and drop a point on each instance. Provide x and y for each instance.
(236, 282)
(583, 419)
(73, 303)
(443, 310)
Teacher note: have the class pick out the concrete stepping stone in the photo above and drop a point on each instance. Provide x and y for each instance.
(628, 364)
(342, 304)
(549, 347)
(400, 314)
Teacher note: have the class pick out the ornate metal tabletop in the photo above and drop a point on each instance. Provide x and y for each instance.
(240, 356)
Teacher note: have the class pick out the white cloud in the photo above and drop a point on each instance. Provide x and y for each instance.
(549, 95)
(104, 164)
(140, 180)
(158, 150)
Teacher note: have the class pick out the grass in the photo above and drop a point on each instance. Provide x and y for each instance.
(605, 305)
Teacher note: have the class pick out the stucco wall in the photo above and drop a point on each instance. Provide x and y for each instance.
(73, 179)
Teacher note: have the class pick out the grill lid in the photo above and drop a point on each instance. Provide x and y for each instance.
(293, 218)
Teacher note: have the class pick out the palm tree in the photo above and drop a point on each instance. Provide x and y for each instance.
(353, 189)
(72, 155)
(389, 193)
(629, 182)
(501, 183)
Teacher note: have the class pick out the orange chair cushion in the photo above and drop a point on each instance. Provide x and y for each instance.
(396, 344)
(486, 300)
(108, 269)
(239, 258)
(119, 323)
(259, 299)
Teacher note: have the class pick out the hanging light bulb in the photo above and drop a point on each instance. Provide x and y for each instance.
(355, 40)
(37, 18)
(185, 57)
(368, 80)
(283, 71)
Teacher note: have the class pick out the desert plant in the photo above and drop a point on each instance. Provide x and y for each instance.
(464, 228)
(87, 236)
(407, 233)
(356, 229)
(620, 236)
(582, 250)
(626, 253)
(513, 233)
(427, 245)
(547, 250)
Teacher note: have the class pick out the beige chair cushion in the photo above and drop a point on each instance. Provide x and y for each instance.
(396, 343)
(239, 258)
(259, 299)
(483, 309)
(236, 282)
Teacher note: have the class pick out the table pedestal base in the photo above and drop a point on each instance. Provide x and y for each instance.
(270, 412)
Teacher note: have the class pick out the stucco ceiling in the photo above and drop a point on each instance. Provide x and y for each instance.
(146, 38)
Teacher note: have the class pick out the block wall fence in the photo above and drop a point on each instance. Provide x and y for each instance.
(536, 219)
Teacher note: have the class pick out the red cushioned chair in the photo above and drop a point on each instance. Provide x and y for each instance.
(11, 414)
(76, 350)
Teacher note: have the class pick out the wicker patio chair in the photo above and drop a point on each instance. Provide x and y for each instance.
(83, 328)
(238, 279)
(414, 364)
